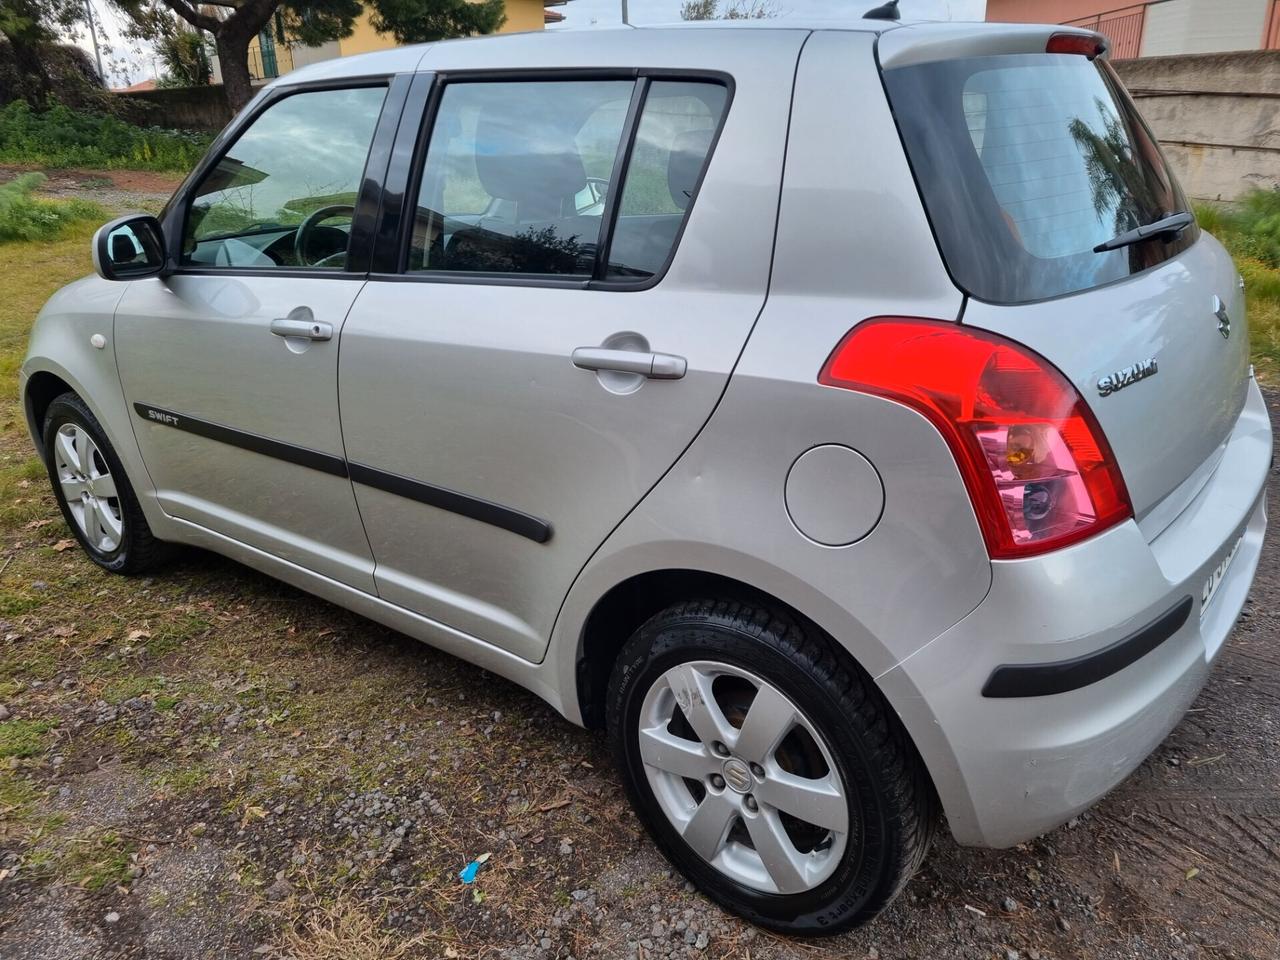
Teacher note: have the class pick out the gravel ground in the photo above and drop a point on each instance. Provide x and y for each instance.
(207, 764)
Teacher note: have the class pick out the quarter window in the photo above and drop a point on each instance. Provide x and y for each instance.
(284, 194)
(675, 135)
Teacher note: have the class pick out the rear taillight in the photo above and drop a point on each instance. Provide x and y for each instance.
(1038, 469)
(1081, 44)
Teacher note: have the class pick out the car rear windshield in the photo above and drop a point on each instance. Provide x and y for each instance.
(1026, 163)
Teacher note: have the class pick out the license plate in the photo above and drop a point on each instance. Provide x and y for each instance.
(1219, 574)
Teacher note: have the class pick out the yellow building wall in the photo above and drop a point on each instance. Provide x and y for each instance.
(522, 15)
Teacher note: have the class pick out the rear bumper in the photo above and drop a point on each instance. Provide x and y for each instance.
(1098, 654)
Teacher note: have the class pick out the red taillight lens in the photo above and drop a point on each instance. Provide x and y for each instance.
(1038, 469)
(1082, 44)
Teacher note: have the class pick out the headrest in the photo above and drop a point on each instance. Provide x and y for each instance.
(688, 153)
(538, 163)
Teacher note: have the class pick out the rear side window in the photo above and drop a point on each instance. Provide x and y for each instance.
(518, 177)
(1028, 162)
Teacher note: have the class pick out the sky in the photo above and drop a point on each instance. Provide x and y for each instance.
(130, 61)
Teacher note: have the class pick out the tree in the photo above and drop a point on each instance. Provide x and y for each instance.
(185, 57)
(736, 10)
(234, 23)
(33, 28)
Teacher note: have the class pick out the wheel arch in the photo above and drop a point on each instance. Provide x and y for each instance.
(42, 388)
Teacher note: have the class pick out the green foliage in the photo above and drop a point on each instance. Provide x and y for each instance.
(62, 137)
(1250, 230)
(413, 21)
(736, 10)
(27, 217)
(186, 61)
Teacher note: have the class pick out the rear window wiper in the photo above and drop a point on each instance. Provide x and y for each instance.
(1167, 227)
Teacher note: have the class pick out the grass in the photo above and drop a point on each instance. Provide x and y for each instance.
(24, 216)
(1251, 231)
(23, 738)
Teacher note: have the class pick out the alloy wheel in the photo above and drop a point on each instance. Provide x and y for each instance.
(744, 777)
(88, 487)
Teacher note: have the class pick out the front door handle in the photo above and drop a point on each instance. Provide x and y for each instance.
(300, 323)
(654, 366)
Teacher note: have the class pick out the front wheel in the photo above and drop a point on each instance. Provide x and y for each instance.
(767, 768)
(93, 492)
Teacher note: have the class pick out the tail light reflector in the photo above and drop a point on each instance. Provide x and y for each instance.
(1036, 464)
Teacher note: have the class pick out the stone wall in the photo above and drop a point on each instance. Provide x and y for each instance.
(189, 108)
(1217, 116)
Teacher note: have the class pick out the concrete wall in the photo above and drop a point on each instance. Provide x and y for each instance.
(1194, 26)
(191, 108)
(1216, 115)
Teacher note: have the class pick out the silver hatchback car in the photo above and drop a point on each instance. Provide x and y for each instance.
(852, 420)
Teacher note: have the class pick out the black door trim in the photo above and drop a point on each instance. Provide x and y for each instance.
(485, 511)
(494, 514)
(288, 452)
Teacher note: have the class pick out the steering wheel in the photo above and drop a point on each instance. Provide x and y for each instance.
(306, 229)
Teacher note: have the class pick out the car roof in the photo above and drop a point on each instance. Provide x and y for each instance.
(709, 45)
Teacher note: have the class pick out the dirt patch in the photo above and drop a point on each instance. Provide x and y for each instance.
(119, 191)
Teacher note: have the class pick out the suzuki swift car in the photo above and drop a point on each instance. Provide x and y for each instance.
(852, 420)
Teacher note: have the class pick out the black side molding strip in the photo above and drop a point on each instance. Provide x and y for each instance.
(302, 456)
(496, 515)
(1046, 679)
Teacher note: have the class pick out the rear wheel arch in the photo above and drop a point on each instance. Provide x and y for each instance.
(627, 605)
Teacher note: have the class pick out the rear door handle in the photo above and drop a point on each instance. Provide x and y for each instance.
(655, 366)
(300, 323)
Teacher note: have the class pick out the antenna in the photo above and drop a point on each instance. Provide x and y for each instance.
(888, 11)
(626, 18)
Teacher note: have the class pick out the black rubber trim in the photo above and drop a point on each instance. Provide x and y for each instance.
(302, 456)
(1046, 679)
(496, 515)
(485, 511)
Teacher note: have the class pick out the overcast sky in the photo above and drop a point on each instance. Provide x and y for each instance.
(130, 62)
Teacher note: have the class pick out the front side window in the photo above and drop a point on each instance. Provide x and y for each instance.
(518, 174)
(284, 194)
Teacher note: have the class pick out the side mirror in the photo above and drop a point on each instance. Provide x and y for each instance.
(129, 248)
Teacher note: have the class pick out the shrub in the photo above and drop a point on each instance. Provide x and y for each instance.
(62, 137)
(1250, 230)
(27, 217)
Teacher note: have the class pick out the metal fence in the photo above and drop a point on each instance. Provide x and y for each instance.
(1123, 30)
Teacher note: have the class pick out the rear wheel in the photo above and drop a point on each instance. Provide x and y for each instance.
(767, 768)
(93, 492)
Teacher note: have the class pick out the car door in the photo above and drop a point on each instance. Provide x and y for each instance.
(536, 360)
(229, 364)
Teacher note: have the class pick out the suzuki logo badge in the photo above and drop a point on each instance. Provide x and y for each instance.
(1224, 318)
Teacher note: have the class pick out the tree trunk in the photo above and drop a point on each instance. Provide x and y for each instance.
(233, 59)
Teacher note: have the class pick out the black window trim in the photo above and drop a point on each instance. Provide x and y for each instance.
(368, 199)
(391, 255)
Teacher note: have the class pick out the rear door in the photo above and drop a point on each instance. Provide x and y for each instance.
(570, 299)
(1028, 162)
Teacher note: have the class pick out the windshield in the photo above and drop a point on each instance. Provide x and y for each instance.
(1027, 163)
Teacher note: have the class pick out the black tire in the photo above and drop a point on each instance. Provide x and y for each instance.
(138, 551)
(892, 805)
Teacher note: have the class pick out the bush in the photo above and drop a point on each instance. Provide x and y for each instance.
(62, 137)
(26, 217)
(1250, 230)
